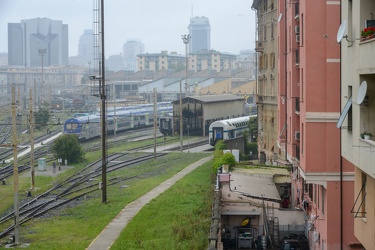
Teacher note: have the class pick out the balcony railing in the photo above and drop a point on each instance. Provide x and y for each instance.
(259, 46)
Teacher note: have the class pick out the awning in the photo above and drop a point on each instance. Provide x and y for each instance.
(344, 113)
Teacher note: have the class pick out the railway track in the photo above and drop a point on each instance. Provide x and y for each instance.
(80, 184)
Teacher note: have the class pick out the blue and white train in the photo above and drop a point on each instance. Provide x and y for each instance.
(87, 127)
(228, 129)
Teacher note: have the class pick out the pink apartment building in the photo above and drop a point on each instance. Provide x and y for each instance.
(308, 110)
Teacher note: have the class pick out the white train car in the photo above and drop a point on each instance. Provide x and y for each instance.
(228, 129)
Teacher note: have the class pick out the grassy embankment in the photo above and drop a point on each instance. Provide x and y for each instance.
(187, 205)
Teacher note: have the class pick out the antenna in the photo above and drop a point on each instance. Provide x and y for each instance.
(362, 92)
(279, 18)
(341, 31)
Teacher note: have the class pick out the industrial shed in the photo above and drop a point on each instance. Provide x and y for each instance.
(199, 112)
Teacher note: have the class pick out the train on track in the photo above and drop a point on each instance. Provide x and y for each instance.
(228, 129)
(166, 120)
(132, 117)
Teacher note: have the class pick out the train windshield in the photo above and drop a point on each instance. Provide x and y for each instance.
(71, 126)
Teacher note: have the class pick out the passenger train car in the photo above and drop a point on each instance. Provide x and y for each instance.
(87, 127)
(166, 120)
(228, 129)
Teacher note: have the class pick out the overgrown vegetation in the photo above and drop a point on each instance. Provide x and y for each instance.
(222, 159)
(68, 147)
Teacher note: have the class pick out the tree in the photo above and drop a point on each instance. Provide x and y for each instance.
(41, 117)
(68, 147)
(253, 126)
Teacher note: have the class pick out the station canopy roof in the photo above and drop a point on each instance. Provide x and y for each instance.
(211, 98)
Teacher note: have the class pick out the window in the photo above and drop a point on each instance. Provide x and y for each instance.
(272, 60)
(265, 33)
(350, 112)
(265, 62)
(363, 194)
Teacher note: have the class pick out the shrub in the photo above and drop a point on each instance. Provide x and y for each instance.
(68, 147)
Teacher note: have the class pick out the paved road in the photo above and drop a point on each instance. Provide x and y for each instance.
(112, 231)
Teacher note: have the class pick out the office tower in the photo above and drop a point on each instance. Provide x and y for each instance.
(38, 41)
(131, 49)
(86, 48)
(200, 33)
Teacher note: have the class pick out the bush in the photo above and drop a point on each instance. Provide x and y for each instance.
(68, 147)
(223, 159)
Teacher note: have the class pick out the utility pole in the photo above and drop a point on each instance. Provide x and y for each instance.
(181, 127)
(42, 52)
(15, 170)
(103, 98)
(32, 143)
(155, 118)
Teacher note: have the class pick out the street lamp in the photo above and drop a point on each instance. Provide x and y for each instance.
(186, 39)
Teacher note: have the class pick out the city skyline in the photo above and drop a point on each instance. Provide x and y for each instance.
(232, 25)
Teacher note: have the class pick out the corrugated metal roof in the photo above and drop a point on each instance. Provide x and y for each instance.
(212, 98)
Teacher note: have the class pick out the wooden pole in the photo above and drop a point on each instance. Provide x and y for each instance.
(32, 142)
(15, 170)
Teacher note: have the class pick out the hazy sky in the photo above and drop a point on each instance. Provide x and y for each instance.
(158, 24)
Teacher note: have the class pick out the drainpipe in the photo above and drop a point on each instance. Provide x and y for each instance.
(341, 193)
(286, 82)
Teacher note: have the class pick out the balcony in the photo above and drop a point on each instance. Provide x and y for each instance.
(259, 46)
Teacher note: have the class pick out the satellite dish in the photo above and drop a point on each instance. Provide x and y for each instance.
(362, 92)
(341, 31)
(279, 18)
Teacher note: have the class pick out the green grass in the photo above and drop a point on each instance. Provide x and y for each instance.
(179, 218)
(78, 224)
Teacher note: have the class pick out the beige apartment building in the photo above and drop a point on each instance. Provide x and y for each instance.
(211, 59)
(358, 111)
(160, 61)
(267, 80)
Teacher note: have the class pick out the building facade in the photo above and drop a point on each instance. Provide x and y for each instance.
(200, 33)
(160, 61)
(86, 48)
(131, 49)
(309, 107)
(358, 112)
(267, 81)
(37, 42)
(211, 59)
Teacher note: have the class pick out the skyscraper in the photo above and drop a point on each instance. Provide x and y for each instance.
(200, 33)
(35, 40)
(131, 49)
(86, 48)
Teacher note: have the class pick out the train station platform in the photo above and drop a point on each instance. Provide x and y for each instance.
(113, 230)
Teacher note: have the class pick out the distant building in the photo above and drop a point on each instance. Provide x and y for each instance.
(131, 49)
(200, 33)
(3, 59)
(38, 40)
(160, 61)
(211, 60)
(86, 48)
(115, 63)
(247, 59)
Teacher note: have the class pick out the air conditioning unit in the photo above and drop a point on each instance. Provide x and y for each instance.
(297, 38)
(296, 29)
(297, 135)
